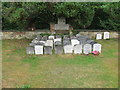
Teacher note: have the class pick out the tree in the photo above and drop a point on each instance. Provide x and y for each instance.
(79, 15)
(112, 22)
(21, 13)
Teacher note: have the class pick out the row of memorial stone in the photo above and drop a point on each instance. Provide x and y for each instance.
(105, 35)
(69, 43)
(58, 40)
(76, 49)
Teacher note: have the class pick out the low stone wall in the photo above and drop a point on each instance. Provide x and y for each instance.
(32, 34)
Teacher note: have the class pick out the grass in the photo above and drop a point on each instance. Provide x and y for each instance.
(59, 71)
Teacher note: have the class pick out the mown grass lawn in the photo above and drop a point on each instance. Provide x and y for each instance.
(59, 71)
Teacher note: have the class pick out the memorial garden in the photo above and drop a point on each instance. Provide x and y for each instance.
(67, 45)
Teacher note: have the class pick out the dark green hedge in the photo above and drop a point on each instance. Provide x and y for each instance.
(81, 15)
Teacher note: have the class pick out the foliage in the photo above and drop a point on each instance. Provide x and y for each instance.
(113, 16)
(81, 15)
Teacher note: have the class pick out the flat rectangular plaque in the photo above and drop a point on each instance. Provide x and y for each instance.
(61, 26)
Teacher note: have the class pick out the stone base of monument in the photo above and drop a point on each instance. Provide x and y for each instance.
(62, 32)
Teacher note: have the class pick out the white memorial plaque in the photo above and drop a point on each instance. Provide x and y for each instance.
(49, 43)
(74, 42)
(106, 35)
(38, 49)
(51, 37)
(77, 49)
(97, 47)
(99, 36)
(68, 49)
(87, 48)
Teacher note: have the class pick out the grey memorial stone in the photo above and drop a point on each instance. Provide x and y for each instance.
(35, 41)
(77, 49)
(66, 42)
(61, 24)
(58, 49)
(97, 47)
(38, 37)
(44, 38)
(51, 37)
(38, 49)
(66, 36)
(58, 39)
(57, 43)
(30, 50)
(83, 42)
(87, 48)
(68, 49)
(89, 41)
(61, 20)
(47, 50)
(73, 37)
(93, 42)
(41, 42)
(58, 36)
(74, 42)
(49, 43)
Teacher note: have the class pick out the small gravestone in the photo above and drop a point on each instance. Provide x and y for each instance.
(61, 20)
(87, 48)
(65, 36)
(57, 39)
(66, 42)
(30, 50)
(89, 41)
(74, 42)
(97, 47)
(35, 41)
(93, 42)
(99, 36)
(49, 43)
(51, 37)
(106, 35)
(38, 49)
(83, 42)
(68, 49)
(58, 43)
(44, 38)
(72, 37)
(77, 35)
(42, 42)
(77, 49)
(47, 50)
(38, 37)
(58, 36)
(58, 49)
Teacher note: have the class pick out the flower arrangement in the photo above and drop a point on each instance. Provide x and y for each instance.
(95, 52)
